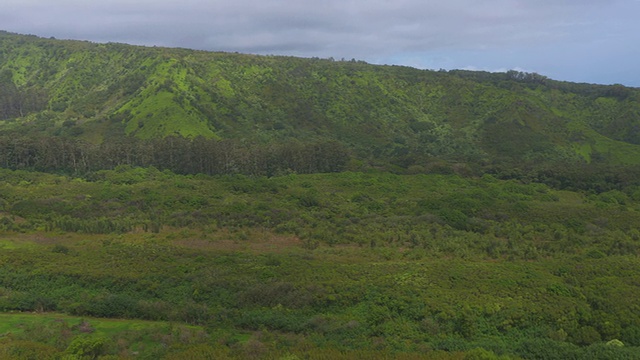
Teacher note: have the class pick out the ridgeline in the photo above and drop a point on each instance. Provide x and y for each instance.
(86, 95)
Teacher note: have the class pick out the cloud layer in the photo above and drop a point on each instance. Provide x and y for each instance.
(577, 40)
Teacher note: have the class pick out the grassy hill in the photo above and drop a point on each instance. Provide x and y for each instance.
(383, 113)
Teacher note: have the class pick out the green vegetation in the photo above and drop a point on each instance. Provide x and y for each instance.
(325, 263)
(54, 336)
(168, 203)
(386, 116)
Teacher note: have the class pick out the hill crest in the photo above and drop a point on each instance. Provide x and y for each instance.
(98, 92)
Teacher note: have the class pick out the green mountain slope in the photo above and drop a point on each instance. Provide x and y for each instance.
(400, 114)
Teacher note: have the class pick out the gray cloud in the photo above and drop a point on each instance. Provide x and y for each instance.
(492, 34)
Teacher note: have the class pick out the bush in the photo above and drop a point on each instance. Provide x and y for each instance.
(631, 335)
(606, 352)
(585, 335)
(548, 349)
(274, 319)
(86, 346)
(482, 354)
(114, 305)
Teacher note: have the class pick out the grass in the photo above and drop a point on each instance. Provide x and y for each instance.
(15, 323)
(7, 244)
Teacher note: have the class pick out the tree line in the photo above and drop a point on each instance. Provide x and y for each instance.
(74, 156)
(178, 154)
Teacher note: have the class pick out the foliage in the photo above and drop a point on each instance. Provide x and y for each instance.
(72, 106)
(345, 261)
(236, 206)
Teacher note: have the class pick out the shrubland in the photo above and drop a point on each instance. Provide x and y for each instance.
(324, 265)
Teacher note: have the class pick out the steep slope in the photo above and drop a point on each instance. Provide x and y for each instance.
(389, 113)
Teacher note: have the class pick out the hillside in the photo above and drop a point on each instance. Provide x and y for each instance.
(175, 204)
(382, 114)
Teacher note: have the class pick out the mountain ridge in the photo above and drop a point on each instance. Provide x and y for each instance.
(398, 114)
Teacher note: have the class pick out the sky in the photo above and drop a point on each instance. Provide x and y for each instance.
(592, 41)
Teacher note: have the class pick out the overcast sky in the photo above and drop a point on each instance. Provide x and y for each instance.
(595, 41)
